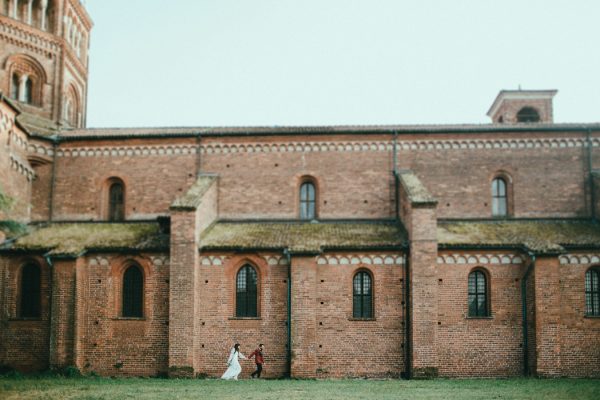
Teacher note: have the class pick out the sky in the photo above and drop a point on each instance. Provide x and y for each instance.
(336, 62)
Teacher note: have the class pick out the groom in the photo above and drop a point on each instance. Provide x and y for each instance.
(258, 359)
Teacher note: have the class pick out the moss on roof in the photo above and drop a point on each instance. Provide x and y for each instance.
(71, 239)
(193, 197)
(416, 191)
(541, 236)
(38, 125)
(302, 236)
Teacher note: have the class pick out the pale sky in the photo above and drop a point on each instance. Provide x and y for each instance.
(336, 62)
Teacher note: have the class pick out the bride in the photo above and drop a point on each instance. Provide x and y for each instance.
(233, 363)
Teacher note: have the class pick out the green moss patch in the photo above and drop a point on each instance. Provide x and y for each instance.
(302, 236)
(543, 236)
(76, 238)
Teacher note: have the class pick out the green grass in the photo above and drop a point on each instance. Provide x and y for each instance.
(105, 388)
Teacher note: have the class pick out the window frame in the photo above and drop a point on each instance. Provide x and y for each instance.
(25, 299)
(132, 310)
(111, 211)
(592, 295)
(362, 313)
(305, 182)
(246, 295)
(487, 312)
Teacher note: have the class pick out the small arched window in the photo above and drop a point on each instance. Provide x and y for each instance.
(592, 292)
(28, 87)
(30, 293)
(528, 114)
(499, 198)
(116, 202)
(14, 88)
(478, 294)
(133, 292)
(307, 201)
(362, 293)
(246, 292)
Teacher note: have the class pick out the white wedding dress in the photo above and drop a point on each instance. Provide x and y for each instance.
(234, 365)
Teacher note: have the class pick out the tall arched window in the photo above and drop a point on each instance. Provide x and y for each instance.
(14, 87)
(528, 114)
(246, 296)
(116, 202)
(30, 293)
(28, 87)
(362, 294)
(478, 294)
(499, 198)
(308, 201)
(592, 292)
(133, 292)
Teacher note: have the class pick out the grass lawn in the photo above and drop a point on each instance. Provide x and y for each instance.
(105, 388)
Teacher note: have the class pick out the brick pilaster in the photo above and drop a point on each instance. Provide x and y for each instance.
(547, 316)
(418, 213)
(62, 317)
(304, 317)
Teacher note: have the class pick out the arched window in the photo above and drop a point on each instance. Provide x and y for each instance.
(307, 201)
(116, 202)
(14, 87)
(499, 198)
(362, 294)
(528, 114)
(478, 294)
(30, 296)
(592, 292)
(28, 95)
(133, 292)
(246, 296)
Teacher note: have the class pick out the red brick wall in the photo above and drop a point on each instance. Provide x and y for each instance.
(353, 174)
(364, 348)
(218, 329)
(116, 346)
(152, 182)
(24, 343)
(480, 347)
(547, 316)
(257, 184)
(461, 178)
(579, 334)
(15, 172)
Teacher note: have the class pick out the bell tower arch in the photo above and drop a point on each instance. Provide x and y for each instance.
(44, 58)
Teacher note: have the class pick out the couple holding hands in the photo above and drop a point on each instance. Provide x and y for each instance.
(233, 362)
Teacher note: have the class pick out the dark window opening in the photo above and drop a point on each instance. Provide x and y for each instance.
(30, 306)
(499, 198)
(116, 209)
(133, 292)
(592, 292)
(14, 90)
(528, 114)
(363, 296)
(478, 296)
(28, 95)
(246, 299)
(307, 201)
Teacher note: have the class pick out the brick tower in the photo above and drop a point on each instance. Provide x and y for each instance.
(44, 60)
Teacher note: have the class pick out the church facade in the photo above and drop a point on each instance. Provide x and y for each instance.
(349, 251)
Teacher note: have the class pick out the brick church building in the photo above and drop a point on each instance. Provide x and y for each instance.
(370, 251)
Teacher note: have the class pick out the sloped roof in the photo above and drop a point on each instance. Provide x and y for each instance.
(72, 239)
(193, 197)
(540, 236)
(302, 236)
(115, 133)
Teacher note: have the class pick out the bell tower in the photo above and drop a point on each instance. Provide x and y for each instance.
(44, 60)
